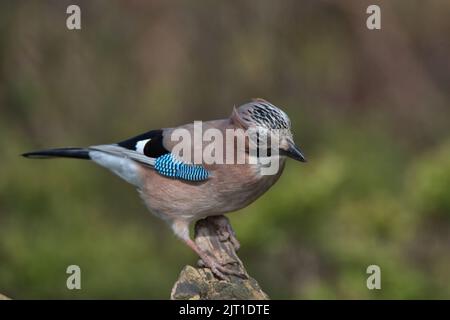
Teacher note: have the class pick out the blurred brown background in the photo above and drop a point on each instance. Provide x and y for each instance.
(369, 108)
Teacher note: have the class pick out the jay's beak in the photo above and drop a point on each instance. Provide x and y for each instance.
(294, 152)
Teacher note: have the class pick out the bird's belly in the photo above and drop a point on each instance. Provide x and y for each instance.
(226, 191)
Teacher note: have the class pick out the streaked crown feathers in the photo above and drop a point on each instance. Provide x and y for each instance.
(262, 113)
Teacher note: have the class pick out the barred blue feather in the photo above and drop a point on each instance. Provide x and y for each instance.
(168, 165)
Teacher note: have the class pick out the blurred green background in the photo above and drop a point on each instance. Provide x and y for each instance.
(370, 109)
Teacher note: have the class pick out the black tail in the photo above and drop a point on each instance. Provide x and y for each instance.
(78, 153)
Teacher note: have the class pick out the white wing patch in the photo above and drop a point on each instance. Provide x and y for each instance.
(140, 145)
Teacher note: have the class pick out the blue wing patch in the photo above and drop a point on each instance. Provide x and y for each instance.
(168, 165)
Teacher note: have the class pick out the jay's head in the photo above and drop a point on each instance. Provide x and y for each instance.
(265, 118)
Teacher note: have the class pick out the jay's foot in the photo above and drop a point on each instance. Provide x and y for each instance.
(222, 260)
(218, 269)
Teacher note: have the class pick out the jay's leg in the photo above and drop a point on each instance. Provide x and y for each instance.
(181, 229)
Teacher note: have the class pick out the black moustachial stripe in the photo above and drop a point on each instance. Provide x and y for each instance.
(153, 148)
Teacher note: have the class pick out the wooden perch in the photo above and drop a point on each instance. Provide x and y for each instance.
(215, 236)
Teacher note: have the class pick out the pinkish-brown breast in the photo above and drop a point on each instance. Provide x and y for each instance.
(229, 188)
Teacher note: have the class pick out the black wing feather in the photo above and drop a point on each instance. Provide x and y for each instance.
(154, 148)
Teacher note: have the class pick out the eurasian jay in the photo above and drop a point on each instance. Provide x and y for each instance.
(180, 189)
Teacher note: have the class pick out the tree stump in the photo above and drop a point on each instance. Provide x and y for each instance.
(215, 236)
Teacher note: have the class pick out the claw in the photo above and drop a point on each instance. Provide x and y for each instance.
(219, 270)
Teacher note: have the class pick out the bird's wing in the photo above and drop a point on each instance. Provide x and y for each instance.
(196, 135)
(116, 150)
(150, 144)
(149, 149)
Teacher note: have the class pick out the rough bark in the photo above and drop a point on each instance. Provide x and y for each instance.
(215, 236)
